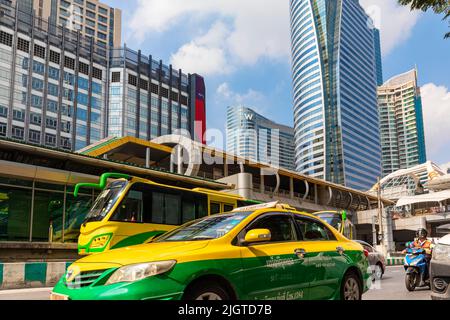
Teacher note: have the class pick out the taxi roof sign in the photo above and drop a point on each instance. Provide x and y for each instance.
(269, 205)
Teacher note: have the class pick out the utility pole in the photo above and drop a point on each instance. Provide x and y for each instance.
(374, 231)
(380, 214)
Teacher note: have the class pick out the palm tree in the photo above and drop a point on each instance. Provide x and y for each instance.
(438, 6)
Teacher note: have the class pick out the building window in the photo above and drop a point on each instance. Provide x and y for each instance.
(184, 100)
(65, 143)
(52, 106)
(3, 129)
(50, 139)
(6, 38)
(96, 88)
(83, 68)
(155, 88)
(115, 77)
(51, 122)
(53, 89)
(97, 73)
(53, 73)
(34, 136)
(17, 133)
(36, 101)
(35, 119)
(55, 57)
(132, 80)
(39, 51)
(38, 67)
(164, 92)
(174, 96)
(18, 115)
(3, 111)
(143, 84)
(23, 45)
(69, 63)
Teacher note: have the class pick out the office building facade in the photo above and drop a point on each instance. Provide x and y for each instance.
(334, 67)
(61, 89)
(148, 99)
(401, 123)
(53, 84)
(91, 17)
(252, 136)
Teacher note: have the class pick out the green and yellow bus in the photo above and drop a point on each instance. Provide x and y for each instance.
(132, 210)
(339, 220)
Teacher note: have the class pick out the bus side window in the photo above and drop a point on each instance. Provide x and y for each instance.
(157, 208)
(214, 207)
(188, 209)
(202, 207)
(228, 207)
(172, 206)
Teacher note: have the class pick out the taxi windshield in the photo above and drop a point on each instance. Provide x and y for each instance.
(208, 228)
(105, 201)
(333, 219)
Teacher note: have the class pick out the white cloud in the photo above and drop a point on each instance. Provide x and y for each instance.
(243, 32)
(252, 99)
(206, 54)
(394, 21)
(436, 112)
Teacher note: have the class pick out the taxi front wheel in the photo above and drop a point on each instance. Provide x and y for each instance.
(206, 291)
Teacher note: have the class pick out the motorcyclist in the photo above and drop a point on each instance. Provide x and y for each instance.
(421, 242)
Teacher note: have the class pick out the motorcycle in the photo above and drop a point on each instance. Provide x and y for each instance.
(417, 269)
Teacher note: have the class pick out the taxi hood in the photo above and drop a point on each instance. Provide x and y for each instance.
(156, 251)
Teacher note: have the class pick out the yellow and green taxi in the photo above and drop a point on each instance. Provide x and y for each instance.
(258, 252)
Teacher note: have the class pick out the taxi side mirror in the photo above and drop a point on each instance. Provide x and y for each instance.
(257, 235)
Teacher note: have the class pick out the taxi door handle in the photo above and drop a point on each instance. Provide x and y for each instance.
(340, 250)
(300, 253)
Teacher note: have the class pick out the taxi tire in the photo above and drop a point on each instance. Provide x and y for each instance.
(206, 287)
(348, 276)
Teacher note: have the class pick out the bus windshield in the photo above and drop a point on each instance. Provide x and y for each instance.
(205, 229)
(105, 201)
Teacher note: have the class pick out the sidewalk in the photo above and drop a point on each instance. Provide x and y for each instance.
(31, 274)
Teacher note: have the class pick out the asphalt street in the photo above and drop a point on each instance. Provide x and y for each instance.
(391, 287)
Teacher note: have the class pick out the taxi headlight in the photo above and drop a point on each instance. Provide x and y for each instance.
(136, 272)
(441, 252)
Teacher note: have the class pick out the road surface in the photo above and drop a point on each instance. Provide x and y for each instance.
(391, 287)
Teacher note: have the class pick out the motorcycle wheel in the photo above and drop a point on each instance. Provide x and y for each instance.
(412, 281)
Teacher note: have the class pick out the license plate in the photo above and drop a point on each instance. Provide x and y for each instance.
(55, 296)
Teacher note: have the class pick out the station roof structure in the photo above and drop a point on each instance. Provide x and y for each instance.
(159, 151)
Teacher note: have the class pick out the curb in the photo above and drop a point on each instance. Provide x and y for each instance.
(395, 261)
(31, 274)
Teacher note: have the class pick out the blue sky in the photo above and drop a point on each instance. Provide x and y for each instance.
(242, 49)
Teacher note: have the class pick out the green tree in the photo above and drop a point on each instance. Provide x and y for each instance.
(438, 6)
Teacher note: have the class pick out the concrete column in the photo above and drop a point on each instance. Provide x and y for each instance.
(388, 232)
(291, 187)
(225, 168)
(316, 194)
(147, 157)
(261, 186)
(180, 160)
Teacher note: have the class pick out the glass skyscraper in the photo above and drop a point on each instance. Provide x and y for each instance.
(401, 123)
(252, 136)
(335, 66)
(148, 99)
